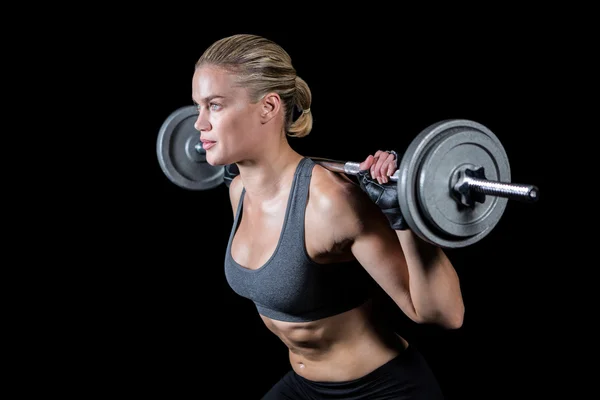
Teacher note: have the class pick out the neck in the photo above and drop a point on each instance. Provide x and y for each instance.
(266, 176)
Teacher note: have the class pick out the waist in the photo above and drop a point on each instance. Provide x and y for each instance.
(339, 348)
(346, 362)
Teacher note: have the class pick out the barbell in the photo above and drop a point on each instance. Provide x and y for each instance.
(453, 180)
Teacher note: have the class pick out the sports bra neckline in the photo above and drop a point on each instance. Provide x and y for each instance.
(282, 231)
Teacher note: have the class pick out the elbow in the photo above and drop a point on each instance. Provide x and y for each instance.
(455, 321)
(447, 319)
(455, 318)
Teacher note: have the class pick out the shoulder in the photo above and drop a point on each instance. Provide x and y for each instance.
(340, 204)
(330, 188)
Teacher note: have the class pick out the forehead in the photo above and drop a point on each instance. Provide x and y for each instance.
(211, 81)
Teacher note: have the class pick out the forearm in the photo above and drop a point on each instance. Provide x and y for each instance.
(433, 281)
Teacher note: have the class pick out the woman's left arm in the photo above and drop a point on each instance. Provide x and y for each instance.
(418, 276)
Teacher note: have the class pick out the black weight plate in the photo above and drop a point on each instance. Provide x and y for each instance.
(178, 156)
(425, 181)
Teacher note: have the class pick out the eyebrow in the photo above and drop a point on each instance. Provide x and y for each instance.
(211, 97)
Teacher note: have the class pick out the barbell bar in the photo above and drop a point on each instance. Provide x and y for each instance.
(453, 180)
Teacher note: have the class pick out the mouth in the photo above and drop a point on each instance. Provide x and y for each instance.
(207, 144)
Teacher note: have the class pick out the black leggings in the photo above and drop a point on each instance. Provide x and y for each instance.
(405, 377)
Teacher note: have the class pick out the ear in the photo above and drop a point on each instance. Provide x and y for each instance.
(270, 107)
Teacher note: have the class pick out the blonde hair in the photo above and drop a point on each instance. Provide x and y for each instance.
(263, 66)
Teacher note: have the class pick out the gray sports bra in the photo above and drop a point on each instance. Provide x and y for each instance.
(290, 286)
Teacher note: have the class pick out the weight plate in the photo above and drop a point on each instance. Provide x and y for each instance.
(425, 181)
(180, 154)
(465, 147)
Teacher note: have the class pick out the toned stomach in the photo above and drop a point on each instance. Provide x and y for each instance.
(339, 348)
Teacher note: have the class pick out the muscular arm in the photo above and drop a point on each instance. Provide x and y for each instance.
(434, 283)
(417, 276)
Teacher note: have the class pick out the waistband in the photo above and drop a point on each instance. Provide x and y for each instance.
(404, 358)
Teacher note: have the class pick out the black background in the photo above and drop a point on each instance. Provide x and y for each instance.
(165, 323)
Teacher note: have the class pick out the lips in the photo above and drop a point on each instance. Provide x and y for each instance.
(207, 144)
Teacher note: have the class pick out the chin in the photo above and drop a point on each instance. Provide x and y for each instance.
(214, 160)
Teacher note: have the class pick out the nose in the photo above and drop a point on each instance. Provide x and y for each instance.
(202, 124)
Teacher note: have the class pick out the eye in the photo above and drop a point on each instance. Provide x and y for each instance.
(215, 106)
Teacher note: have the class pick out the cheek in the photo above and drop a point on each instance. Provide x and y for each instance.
(236, 126)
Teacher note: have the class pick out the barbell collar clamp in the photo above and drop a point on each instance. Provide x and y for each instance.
(469, 185)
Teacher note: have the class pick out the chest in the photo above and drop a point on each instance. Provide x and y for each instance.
(257, 237)
(260, 234)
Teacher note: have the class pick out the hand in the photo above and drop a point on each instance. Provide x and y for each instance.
(381, 165)
(373, 179)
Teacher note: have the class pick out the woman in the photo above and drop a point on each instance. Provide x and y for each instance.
(308, 245)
